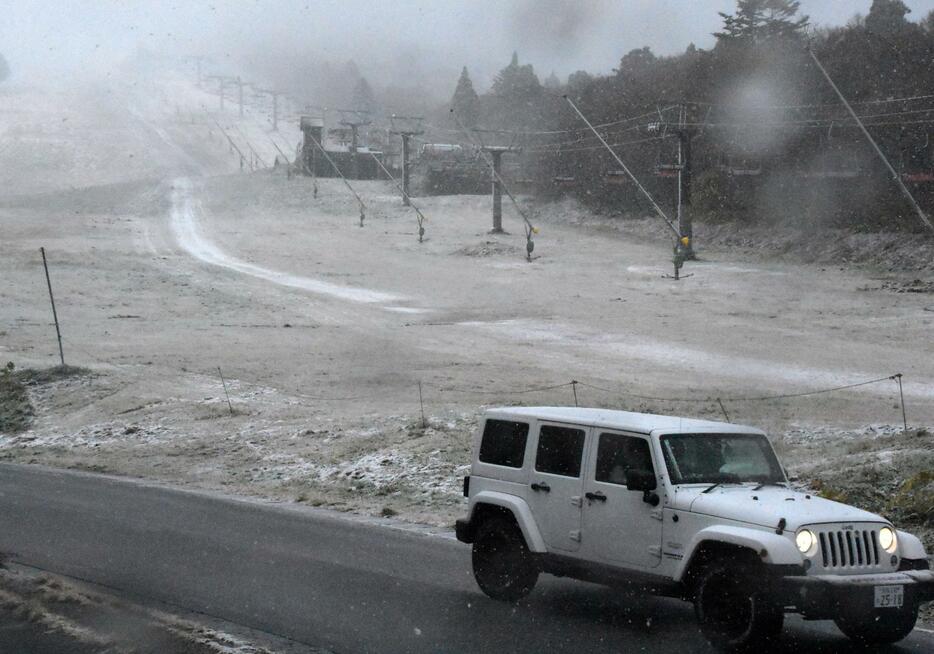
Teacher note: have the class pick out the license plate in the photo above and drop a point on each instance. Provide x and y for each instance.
(889, 597)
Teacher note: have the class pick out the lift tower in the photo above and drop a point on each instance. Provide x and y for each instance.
(406, 127)
(354, 119)
(685, 132)
(496, 154)
(275, 106)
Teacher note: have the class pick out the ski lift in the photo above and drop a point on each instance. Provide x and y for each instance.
(836, 160)
(617, 177)
(667, 170)
(736, 166)
(917, 164)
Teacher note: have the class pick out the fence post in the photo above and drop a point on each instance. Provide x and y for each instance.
(58, 332)
(901, 396)
(422, 405)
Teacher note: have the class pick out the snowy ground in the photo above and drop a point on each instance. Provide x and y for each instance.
(169, 263)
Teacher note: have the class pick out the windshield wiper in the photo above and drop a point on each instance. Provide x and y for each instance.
(723, 479)
(762, 484)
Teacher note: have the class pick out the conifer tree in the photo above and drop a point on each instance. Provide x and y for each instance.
(757, 21)
(465, 102)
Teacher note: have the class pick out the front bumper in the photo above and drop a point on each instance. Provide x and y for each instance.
(828, 596)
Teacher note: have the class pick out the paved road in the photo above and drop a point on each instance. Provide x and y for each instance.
(348, 585)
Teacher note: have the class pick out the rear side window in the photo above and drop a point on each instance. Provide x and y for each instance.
(559, 451)
(503, 443)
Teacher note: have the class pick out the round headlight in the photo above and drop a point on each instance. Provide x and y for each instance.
(887, 540)
(805, 540)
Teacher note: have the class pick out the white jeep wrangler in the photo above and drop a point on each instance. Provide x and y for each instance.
(688, 508)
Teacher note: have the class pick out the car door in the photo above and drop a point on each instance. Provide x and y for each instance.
(555, 481)
(618, 525)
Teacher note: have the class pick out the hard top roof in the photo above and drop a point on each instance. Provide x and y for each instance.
(643, 423)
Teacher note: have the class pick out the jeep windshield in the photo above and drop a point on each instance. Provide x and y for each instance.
(720, 459)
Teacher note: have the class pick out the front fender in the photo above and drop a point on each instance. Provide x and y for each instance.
(520, 510)
(778, 550)
(910, 546)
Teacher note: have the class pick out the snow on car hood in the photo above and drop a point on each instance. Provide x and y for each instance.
(767, 506)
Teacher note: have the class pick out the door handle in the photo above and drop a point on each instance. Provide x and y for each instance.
(541, 487)
(595, 497)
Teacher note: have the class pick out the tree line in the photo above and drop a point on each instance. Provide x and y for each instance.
(771, 140)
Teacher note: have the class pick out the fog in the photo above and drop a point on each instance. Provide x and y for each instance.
(404, 44)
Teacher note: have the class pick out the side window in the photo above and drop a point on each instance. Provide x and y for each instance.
(503, 443)
(618, 454)
(560, 450)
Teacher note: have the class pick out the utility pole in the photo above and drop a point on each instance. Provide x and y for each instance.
(406, 134)
(357, 120)
(496, 152)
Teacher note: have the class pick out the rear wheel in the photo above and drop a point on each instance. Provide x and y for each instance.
(502, 563)
(732, 607)
(879, 627)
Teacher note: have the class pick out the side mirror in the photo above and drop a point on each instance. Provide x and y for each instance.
(641, 480)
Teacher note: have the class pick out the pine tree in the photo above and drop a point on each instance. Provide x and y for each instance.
(517, 96)
(464, 102)
(552, 82)
(887, 16)
(517, 85)
(757, 21)
(363, 99)
(578, 81)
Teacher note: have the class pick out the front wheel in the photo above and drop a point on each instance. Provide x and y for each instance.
(733, 609)
(502, 563)
(880, 626)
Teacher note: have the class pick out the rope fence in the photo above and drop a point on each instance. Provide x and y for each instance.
(420, 389)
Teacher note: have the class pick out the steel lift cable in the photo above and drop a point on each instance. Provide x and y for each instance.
(530, 229)
(641, 188)
(895, 176)
(338, 171)
(419, 215)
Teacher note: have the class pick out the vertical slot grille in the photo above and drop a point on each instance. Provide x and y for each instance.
(849, 549)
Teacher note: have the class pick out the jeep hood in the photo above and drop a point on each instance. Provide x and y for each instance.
(767, 506)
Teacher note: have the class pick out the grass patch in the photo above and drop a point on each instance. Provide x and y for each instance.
(914, 500)
(40, 376)
(16, 411)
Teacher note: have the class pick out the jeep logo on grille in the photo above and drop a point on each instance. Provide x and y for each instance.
(847, 527)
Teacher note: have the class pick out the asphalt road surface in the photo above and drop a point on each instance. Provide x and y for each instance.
(325, 580)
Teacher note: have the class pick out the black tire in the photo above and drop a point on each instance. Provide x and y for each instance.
(732, 607)
(502, 564)
(879, 627)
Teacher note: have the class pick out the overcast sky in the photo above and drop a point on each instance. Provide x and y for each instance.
(558, 35)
